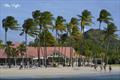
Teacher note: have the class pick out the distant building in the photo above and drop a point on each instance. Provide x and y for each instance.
(52, 54)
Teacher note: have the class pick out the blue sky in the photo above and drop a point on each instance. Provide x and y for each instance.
(22, 9)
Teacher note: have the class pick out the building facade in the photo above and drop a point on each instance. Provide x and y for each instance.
(41, 55)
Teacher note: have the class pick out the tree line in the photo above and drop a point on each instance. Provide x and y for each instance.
(50, 31)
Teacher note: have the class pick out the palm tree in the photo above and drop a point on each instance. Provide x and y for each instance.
(64, 43)
(109, 32)
(72, 25)
(14, 54)
(8, 51)
(104, 16)
(29, 28)
(36, 16)
(11, 52)
(9, 23)
(85, 19)
(59, 27)
(46, 23)
(59, 24)
(21, 50)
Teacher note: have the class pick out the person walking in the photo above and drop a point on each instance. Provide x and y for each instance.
(104, 66)
(101, 68)
(95, 67)
(110, 68)
(21, 65)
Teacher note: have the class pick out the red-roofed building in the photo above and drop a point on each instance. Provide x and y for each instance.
(65, 53)
(32, 52)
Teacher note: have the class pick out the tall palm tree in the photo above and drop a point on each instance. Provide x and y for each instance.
(72, 24)
(104, 16)
(29, 28)
(59, 27)
(85, 20)
(46, 23)
(36, 16)
(9, 23)
(109, 32)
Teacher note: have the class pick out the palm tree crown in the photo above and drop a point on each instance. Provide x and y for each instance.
(72, 24)
(86, 19)
(29, 25)
(110, 30)
(59, 24)
(46, 19)
(36, 16)
(9, 23)
(104, 16)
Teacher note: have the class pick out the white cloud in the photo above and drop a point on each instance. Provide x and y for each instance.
(12, 5)
(15, 5)
(7, 5)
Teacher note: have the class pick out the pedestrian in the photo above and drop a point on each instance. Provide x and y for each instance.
(104, 66)
(21, 65)
(110, 68)
(95, 67)
(101, 68)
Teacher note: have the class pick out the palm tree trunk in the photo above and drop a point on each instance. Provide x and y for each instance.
(26, 40)
(45, 49)
(26, 47)
(107, 51)
(71, 52)
(5, 37)
(6, 61)
(65, 57)
(83, 45)
(22, 60)
(39, 47)
(45, 55)
(15, 60)
(59, 55)
(9, 61)
(100, 26)
(42, 52)
(57, 41)
(83, 30)
(38, 50)
(58, 48)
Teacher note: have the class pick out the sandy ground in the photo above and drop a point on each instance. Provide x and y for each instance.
(54, 72)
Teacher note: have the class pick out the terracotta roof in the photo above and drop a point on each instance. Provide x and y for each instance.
(32, 52)
(2, 54)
